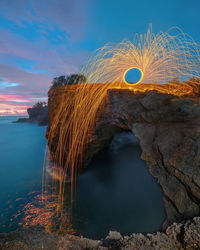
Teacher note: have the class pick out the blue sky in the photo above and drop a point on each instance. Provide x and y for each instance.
(43, 39)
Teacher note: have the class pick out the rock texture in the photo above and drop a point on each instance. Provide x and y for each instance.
(177, 236)
(168, 129)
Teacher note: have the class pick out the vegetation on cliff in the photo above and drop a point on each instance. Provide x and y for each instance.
(68, 80)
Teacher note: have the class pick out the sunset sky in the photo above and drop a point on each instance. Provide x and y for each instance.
(41, 39)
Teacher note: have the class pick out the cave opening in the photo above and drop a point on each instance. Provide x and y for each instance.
(118, 193)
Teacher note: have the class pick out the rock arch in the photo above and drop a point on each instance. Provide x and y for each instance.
(168, 130)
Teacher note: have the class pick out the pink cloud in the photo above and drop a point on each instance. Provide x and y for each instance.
(14, 104)
(58, 28)
(13, 98)
(28, 82)
(13, 109)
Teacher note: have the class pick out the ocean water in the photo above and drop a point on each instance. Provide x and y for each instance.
(22, 148)
(115, 193)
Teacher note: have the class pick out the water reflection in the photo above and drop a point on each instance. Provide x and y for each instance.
(115, 193)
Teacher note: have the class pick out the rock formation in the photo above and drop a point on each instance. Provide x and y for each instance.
(37, 114)
(168, 129)
(177, 236)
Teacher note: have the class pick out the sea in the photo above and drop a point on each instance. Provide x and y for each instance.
(116, 191)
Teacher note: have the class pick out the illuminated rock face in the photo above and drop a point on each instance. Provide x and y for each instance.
(169, 134)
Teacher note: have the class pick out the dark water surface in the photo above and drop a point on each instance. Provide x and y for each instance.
(115, 193)
(118, 193)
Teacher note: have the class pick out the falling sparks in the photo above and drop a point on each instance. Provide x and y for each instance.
(160, 57)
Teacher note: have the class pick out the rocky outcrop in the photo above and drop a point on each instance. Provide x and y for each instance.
(37, 114)
(168, 129)
(177, 236)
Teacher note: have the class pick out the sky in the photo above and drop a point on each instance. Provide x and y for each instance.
(42, 39)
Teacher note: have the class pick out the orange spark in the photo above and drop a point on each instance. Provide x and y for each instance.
(161, 58)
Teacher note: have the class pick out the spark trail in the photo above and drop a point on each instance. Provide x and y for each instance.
(161, 58)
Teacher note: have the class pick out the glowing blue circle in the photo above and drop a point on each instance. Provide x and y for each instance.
(133, 76)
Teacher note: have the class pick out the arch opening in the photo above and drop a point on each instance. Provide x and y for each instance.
(118, 193)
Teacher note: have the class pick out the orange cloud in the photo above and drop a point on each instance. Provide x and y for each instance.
(13, 105)
(10, 109)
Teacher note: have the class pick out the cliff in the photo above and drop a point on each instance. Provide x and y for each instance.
(168, 130)
(167, 127)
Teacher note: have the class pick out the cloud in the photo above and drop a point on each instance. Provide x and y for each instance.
(69, 15)
(48, 33)
(39, 40)
(14, 104)
(13, 109)
(51, 58)
(29, 88)
(27, 82)
(12, 98)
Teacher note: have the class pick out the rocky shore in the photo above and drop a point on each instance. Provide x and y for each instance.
(168, 129)
(178, 236)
